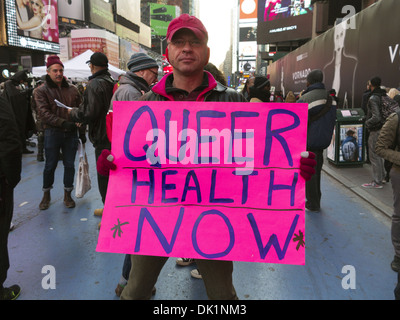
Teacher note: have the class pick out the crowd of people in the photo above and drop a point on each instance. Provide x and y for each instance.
(64, 115)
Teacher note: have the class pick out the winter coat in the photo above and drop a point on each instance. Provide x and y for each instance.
(10, 146)
(131, 88)
(386, 140)
(94, 109)
(374, 116)
(51, 115)
(319, 132)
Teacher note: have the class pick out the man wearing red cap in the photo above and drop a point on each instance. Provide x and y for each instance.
(188, 53)
(60, 133)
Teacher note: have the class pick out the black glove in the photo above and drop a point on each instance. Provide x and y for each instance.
(70, 126)
(83, 138)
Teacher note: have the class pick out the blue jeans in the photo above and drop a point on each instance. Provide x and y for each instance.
(54, 141)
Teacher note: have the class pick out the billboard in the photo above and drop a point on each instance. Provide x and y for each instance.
(71, 9)
(349, 55)
(160, 17)
(33, 24)
(284, 20)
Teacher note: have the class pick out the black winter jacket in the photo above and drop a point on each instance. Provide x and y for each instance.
(94, 108)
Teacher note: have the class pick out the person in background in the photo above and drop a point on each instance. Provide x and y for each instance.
(10, 175)
(18, 96)
(387, 147)
(217, 74)
(143, 72)
(373, 123)
(246, 89)
(290, 97)
(60, 132)
(260, 91)
(94, 109)
(322, 108)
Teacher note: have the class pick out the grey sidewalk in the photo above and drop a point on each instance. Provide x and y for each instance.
(353, 177)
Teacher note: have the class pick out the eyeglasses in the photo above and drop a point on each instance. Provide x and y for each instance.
(153, 72)
(180, 43)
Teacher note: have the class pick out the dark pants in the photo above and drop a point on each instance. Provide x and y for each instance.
(6, 213)
(54, 141)
(102, 181)
(313, 186)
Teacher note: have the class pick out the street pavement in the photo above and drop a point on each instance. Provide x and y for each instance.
(351, 232)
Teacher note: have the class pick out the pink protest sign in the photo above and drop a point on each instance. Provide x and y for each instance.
(207, 181)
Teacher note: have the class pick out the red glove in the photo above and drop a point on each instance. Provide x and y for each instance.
(307, 165)
(105, 163)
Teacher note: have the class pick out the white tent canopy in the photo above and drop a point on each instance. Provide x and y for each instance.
(76, 68)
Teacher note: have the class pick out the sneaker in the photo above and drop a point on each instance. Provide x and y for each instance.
(396, 264)
(195, 273)
(372, 185)
(10, 293)
(184, 262)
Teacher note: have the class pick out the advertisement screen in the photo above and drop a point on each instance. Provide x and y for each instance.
(278, 9)
(71, 9)
(284, 20)
(33, 24)
(160, 17)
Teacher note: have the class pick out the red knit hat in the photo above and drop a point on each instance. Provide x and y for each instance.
(53, 60)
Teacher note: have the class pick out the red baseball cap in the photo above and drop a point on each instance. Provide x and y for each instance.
(186, 21)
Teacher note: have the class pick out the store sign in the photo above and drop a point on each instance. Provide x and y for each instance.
(33, 25)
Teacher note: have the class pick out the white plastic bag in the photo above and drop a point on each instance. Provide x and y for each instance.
(83, 183)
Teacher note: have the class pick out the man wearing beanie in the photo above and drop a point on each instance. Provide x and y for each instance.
(60, 132)
(94, 109)
(143, 72)
(321, 123)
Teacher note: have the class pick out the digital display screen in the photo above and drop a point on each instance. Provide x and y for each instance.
(284, 20)
(278, 9)
(33, 24)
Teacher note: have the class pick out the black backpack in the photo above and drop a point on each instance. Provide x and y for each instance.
(388, 106)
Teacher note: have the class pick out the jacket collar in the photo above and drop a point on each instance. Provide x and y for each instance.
(160, 87)
(314, 86)
(100, 73)
(52, 84)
